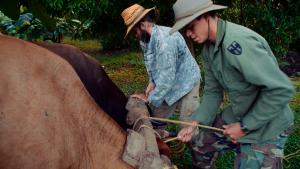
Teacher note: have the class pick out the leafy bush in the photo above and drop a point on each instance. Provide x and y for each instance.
(6, 24)
(73, 27)
(26, 27)
(278, 22)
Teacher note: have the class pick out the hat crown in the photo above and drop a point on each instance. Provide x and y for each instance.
(184, 8)
(131, 13)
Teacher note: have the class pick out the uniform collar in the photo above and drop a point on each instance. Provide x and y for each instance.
(221, 28)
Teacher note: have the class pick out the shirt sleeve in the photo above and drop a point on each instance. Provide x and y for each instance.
(166, 66)
(148, 71)
(148, 59)
(211, 99)
(259, 67)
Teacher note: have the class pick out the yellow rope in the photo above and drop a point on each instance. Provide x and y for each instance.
(292, 155)
(176, 144)
(289, 156)
(178, 148)
(145, 126)
(136, 121)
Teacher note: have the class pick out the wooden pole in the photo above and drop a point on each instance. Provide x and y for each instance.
(185, 123)
(171, 139)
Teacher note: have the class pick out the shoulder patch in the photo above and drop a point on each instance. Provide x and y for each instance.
(235, 48)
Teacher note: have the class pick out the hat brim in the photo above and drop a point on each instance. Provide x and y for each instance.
(137, 20)
(184, 21)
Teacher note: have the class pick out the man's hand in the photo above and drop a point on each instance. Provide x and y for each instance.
(141, 97)
(149, 89)
(233, 131)
(186, 134)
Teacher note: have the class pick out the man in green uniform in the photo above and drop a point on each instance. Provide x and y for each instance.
(240, 63)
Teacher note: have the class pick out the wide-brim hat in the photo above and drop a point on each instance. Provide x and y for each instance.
(133, 14)
(187, 10)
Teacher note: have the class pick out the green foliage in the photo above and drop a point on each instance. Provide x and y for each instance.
(40, 11)
(166, 14)
(74, 28)
(100, 17)
(6, 24)
(278, 22)
(26, 27)
(282, 17)
(10, 8)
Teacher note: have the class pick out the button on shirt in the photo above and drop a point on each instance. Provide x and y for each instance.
(170, 66)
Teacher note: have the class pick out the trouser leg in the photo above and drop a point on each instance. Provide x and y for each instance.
(164, 110)
(207, 144)
(189, 103)
(268, 154)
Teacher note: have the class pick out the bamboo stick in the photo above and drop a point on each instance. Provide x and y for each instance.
(185, 123)
(171, 139)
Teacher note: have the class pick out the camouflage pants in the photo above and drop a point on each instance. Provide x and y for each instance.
(207, 145)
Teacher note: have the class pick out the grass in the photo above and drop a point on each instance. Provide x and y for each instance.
(127, 70)
(293, 144)
(90, 46)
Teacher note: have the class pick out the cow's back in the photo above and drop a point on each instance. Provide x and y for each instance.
(105, 93)
(47, 119)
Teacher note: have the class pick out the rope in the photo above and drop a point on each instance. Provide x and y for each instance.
(177, 148)
(137, 120)
(292, 155)
(145, 126)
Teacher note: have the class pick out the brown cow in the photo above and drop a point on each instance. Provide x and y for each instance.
(105, 93)
(47, 118)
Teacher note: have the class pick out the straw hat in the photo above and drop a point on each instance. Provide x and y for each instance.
(133, 14)
(187, 10)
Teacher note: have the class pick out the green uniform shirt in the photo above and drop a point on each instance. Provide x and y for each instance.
(242, 64)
